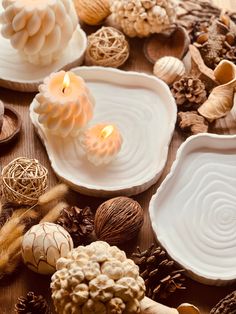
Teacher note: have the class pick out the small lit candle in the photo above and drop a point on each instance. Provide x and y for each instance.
(64, 104)
(101, 143)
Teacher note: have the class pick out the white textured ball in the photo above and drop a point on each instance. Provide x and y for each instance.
(41, 29)
(43, 245)
(169, 69)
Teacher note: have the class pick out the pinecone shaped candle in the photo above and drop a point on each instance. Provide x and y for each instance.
(39, 29)
(64, 104)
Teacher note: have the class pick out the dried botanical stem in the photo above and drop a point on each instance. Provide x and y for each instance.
(10, 257)
(54, 213)
(56, 192)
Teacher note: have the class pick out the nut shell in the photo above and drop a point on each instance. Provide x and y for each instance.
(169, 69)
(92, 12)
(118, 220)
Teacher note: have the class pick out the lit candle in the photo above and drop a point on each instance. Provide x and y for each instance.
(64, 104)
(101, 143)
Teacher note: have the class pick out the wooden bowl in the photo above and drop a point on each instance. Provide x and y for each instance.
(11, 125)
(173, 43)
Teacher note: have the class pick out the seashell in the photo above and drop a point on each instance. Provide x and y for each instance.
(169, 69)
(43, 245)
(221, 98)
(92, 12)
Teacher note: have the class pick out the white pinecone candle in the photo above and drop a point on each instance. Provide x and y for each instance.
(39, 29)
(64, 104)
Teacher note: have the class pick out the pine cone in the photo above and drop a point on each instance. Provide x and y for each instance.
(226, 305)
(189, 92)
(32, 304)
(231, 54)
(191, 122)
(159, 273)
(78, 222)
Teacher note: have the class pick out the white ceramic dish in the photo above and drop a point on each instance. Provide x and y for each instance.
(18, 74)
(145, 112)
(193, 213)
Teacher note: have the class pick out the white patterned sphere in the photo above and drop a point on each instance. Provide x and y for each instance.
(43, 245)
(39, 29)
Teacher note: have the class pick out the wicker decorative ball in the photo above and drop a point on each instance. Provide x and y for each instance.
(107, 47)
(23, 181)
(43, 245)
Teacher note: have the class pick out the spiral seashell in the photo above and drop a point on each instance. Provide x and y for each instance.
(60, 117)
(169, 69)
(39, 29)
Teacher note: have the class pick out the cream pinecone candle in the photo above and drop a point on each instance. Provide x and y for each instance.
(39, 29)
(64, 104)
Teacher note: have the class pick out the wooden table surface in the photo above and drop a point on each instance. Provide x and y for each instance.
(29, 145)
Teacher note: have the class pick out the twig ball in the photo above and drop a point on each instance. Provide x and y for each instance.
(43, 245)
(24, 181)
(118, 220)
(107, 47)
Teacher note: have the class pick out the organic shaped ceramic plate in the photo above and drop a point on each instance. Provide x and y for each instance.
(193, 212)
(18, 74)
(143, 109)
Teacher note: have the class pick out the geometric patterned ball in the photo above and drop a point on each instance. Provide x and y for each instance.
(43, 244)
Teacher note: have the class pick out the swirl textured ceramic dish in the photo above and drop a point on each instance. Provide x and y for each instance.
(18, 74)
(193, 212)
(143, 109)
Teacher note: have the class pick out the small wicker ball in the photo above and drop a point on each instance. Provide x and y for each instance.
(107, 47)
(23, 181)
(43, 245)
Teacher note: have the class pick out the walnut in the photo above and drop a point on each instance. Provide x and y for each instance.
(191, 122)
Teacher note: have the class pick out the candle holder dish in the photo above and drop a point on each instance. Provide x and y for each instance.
(18, 74)
(193, 213)
(144, 111)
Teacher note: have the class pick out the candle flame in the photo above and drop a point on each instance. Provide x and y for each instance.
(66, 82)
(107, 131)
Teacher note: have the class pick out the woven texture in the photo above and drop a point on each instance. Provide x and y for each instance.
(107, 47)
(23, 181)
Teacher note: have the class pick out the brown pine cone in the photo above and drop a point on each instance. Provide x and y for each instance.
(231, 54)
(160, 274)
(78, 222)
(189, 92)
(32, 304)
(226, 305)
(192, 123)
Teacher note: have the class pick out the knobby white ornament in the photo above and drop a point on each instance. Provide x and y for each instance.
(39, 29)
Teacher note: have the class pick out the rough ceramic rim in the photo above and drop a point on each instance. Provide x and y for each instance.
(211, 279)
(141, 185)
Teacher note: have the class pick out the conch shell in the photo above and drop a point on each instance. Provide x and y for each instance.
(149, 306)
(221, 98)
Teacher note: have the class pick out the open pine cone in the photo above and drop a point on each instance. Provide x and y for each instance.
(189, 92)
(32, 304)
(231, 54)
(78, 222)
(159, 273)
(226, 305)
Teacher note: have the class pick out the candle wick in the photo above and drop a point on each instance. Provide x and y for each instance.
(63, 90)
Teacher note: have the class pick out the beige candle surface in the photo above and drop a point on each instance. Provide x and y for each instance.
(101, 143)
(65, 105)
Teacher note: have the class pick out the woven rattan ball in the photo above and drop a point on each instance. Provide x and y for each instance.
(23, 181)
(107, 47)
